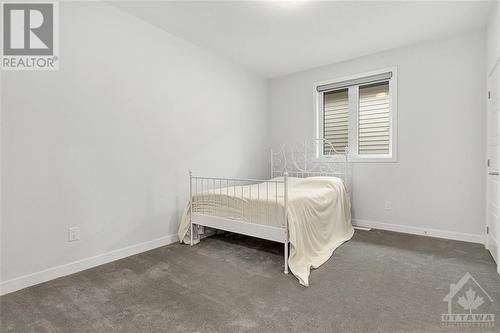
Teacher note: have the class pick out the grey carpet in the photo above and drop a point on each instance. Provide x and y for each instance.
(377, 282)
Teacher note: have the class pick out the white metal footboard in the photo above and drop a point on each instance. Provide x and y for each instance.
(250, 207)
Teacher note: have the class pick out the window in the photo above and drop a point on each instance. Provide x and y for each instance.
(336, 119)
(359, 113)
(373, 119)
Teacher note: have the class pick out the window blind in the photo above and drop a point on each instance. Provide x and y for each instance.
(335, 120)
(374, 119)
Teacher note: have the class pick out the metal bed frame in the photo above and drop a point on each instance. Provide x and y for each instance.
(300, 160)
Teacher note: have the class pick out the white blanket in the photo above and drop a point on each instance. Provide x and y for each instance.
(319, 218)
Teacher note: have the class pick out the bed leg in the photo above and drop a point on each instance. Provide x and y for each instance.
(286, 257)
(191, 207)
(191, 232)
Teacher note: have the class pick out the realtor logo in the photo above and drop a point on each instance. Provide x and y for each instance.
(30, 36)
(469, 305)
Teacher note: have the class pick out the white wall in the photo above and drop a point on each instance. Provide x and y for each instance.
(106, 142)
(493, 37)
(438, 181)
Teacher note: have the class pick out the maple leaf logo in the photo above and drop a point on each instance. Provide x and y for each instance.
(470, 301)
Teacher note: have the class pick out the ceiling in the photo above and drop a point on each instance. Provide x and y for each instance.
(274, 38)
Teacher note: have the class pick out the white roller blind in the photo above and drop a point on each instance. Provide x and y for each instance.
(336, 120)
(354, 82)
(374, 119)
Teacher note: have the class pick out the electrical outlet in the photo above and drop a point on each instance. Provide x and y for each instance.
(388, 205)
(73, 234)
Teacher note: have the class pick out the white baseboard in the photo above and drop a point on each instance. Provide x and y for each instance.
(83, 264)
(421, 231)
(357, 227)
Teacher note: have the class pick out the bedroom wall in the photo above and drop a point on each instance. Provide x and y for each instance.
(493, 37)
(106, 142)
(437, 185)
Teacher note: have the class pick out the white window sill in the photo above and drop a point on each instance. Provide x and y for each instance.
(373, 159)
(358, 159)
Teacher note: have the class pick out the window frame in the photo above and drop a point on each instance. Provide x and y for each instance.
(353, 95)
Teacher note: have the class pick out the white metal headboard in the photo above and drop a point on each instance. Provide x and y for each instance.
(304, 159)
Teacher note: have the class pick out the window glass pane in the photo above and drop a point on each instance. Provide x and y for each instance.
(335, 120)
(374, 119)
